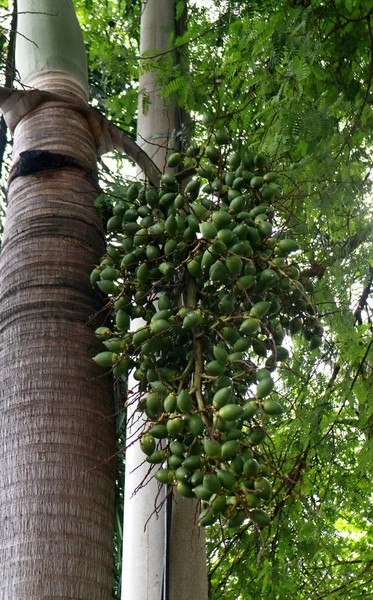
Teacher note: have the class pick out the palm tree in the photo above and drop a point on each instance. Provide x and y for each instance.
(57, 434)
(164, 553)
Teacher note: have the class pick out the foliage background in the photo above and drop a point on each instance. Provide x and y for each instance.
(291, 79)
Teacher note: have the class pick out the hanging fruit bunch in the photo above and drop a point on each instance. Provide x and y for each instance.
(207, 268)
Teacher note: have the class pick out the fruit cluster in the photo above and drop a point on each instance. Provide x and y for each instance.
(206, 267)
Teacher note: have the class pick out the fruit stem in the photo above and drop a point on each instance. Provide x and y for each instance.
(185, 373)
(191, 287)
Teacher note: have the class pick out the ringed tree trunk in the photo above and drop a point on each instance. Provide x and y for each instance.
(163, 556)
(56, 432)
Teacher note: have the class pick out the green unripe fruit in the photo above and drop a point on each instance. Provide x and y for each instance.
(265, 229)
(248, 160)
(208, 230)
(153, 406)
(140, 336)
(122, 320)
(315, 342)
(164, 476)
(218, 272)
(185, 489)
(103, 333)
(233, 434)
(141, 237)
(159, 431)
(152, 253)
(169, 180)
(114, 345)
(167, 269)
(260, 517)
(193, 151)
(192, 188)
(222, 397)
(215, 368)
(242, 344)
(175, 461)
(147, 444)
(234, 265)
(250, 326)
(234, 160)
(208, 259)
(202, 493)
(170, 247)
(184, 401)
(236, 465)
(212, 483)
(260, 161)
(174, 160)
(270, 177)
(237, 205)
(159, 456)
(196, 478)
(164, 302)
(271, 407)
(114, 223)
(281, 353)
(192, 319)
(212, 154)
(220, 354)
(194, 268)
(94, 277)
(128, 260)
(265, 387)
(245, 282)
(221, 219)
(110, 273)
(182, 474)
(226, 305)
(174, 426)
(199, 211)
(285, 247)
(225, 236)
(237, 519)
(142, 273)
(230, 334)
(196, 425)
(218, 503)
(262, 374)
(257, 182)
(192, 462)
(263, 488)
(106, 286)
(105, 359)
(251, 467)
(169, 403)
(238, 183)
(249, 410)
(159, 325)
(230, 412)
(257, 436)
(227, 479)
(260, 309)
(170, 225)
(217, 248)
(157, 230)
(177, 448)
(229, 449)
(212, 448)
(222, 137)
(253, 236)
(259, 348)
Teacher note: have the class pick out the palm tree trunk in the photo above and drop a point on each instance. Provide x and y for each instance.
(57, 482)
(168, 560)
